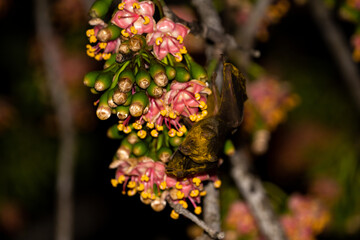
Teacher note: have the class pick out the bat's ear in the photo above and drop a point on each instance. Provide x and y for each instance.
(213, 101)
(233, 96)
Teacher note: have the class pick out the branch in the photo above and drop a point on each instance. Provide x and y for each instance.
(255, 195)
(213, 233)
(248, 33)
(60, 100)
(337, 46)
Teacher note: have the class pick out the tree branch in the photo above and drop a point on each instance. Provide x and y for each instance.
(255, 195)
(213, 233)
(337, 46)
(60, 100)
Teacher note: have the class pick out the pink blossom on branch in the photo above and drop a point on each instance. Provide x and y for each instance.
(135, 17)
(168, 38)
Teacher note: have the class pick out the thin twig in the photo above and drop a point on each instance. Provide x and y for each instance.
(213, 233)
(60, 100)
(337, 46)
(255, 195)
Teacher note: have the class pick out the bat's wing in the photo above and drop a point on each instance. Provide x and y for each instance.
(233, 96)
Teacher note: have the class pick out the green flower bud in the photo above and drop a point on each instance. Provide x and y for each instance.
(123, 152)
(182, 74)
(90, 78)
(157, 72)
(176, 141)
(126, 80)
(170, 72)
(100, 8)
(140, 149)
(143, 78)
(103, 81)
(109, 33)
(110, 100)
(196, 70)
(164, 154)
(122, 112)
(229, 148)
(136, 43)
(154, 90)
(114, 133)
(103, 110)
(119, 97)
(138, 103)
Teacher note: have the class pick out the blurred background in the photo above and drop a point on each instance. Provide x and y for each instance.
(301, 124)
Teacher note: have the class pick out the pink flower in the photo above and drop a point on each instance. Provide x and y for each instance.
(101, 50)
(168, 38)
(135, 17)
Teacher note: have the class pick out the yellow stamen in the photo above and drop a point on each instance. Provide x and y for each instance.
(158, 41)
(124, 33)
(183, 129)
(144, 178)
(178, 57)
(159, 128)
(146, 20)
(137, 126)
(98, 57)
(203, 193)
(180, 39)
(217, 183)
(198, 210)
(183, 203)
(152, 196)
(197, 181)
(114, 182)
(178, 186)
(106, 56)
(133, 30)
(202, 105)
(172, 115)
(163, 185)
(163, 112)
(136, 5)
(194, 193)
(193, 117)
(127, 129)
(131, 184)
(150, 125)
(145, 195)
(92, 39)
(141, 134)
(197, 96)
(180, 195)
(102, 45)
(183, 50)
(121, 179)
(154, 133)
(198, 118)
(88, 46)
(204, 113)
(131, 192)
(90, 53)
(172, 132)
(120, 127)
(174, 215)
(141, 187)
(179, 134)
(90, 32)
(121, 6)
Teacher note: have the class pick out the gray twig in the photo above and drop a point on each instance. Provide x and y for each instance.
(60, 100)
(213, 233)
(255, 195)
(337, 46)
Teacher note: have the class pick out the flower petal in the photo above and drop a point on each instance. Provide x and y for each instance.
(146, 8)
(181, 30)
(165, 25)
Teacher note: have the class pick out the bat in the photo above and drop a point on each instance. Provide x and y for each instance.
(201, 147)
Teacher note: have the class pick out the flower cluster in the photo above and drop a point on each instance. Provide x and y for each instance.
(306, 218)
(269, 101)
(151, 85)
